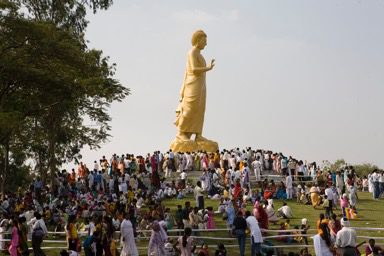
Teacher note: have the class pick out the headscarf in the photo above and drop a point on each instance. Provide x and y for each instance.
(158, 239)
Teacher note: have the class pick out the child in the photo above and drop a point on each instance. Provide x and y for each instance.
(344, 204)
(297, 238)
(287, 226)
(304, 227)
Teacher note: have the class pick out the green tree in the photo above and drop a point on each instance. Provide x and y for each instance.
(69, 14)
(50, 83)
(364, 169)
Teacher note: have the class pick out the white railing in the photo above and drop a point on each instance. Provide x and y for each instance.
(217, 238)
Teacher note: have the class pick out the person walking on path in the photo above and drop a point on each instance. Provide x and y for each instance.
(127, 238)
(239, 227)
(256, 237)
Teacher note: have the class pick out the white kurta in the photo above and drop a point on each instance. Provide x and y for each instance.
(321, 248)
(254, 228)
(128, 239)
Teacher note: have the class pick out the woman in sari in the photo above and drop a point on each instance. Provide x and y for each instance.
(15, 238)
(197, 162)
(204, 162)
(261, 215)
(230, 212)
(23, 240)
(237, 192)
(157, 241)
(72, 236)
(315, 197)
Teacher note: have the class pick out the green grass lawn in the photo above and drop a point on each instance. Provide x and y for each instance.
(370, 214)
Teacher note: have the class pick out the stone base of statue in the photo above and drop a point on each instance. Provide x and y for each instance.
(194, 146)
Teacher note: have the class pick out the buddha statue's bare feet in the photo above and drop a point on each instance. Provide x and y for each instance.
(200, 138)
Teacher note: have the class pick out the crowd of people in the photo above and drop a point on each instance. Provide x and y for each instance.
(126, 193)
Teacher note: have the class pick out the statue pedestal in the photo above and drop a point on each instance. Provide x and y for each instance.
(194, 146)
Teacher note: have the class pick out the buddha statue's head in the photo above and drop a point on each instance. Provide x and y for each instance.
(199, 39)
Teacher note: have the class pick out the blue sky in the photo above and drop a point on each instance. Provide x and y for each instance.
(300, 77)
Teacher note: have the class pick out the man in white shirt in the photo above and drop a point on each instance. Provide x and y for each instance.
(37, 228)
(285, 211)
(127, 162)
(189, 162)
(171, 154)
(289, 186)
(90, 180)
(257, 168)
(376, 185)
(256, 237)
(346, 240)
(199, 196)
(183, 177)
(329, 193)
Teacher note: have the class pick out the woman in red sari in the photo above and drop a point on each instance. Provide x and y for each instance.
(237, 191)
(261, 215)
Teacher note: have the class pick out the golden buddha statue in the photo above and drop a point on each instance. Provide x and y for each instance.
(191, 109)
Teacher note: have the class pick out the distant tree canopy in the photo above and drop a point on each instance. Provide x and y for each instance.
(361, 169)
(51, 83)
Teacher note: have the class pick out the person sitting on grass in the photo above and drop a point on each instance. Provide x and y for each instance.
(285, 211)
(270, 210)
(372, 249)
(281, 191)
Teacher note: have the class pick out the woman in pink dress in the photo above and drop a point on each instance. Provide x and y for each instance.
(15, 238)
(211, 221)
